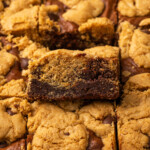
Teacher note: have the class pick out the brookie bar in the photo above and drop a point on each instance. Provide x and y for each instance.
(65, 74)
(57, 24)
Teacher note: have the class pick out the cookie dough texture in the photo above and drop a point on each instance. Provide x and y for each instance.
(86, 8)
(14, 70)
(135, 47)
(54, 128)
(12, 119)
(133, 114)
(83, 74)
(132, 8)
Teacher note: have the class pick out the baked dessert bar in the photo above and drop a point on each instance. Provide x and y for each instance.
(89, 128)
(15, 54)
(133, 114)
(135, 48)
(67, 75)
(133, 11)
(57, 24)
(13, 123)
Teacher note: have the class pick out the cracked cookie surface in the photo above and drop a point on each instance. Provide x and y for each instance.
(60, 128)
(133, 114)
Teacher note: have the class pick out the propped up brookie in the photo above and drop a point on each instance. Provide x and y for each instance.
(65, 74)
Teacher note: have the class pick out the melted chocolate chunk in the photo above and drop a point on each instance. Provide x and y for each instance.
(13, 50)
(67, 133)
(110, 10)
(53, 16)
(108, 120)
(14, 73)
(65, 26)
(10, 112)
(24, 63)
(19, 145)
(129, 65)
(3, 144)
(133, 20)
(95, 143)
(29, 138)
(62, 7)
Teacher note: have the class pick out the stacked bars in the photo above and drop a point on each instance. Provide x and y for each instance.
(135, 48)
(67, 75)
(81, 126)
(57, 23)
(134, 114)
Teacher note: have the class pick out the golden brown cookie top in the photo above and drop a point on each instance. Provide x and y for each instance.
(135, 43)
(135, 99)
(132, 8)
(12, 119)
(71, 130)
(86, 8)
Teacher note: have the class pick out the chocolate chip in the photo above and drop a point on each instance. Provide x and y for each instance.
(16, 105)
(67, 26)
(3, 144)
(53, 16)
(67, 133)
(14, 51)
(14, 73)
(129, 65)
(10, 112)
(95, 143)
(29, 138)
(108, 120)
(24, 63)
(5, 41)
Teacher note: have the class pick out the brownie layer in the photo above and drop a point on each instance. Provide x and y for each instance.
(82, 76)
